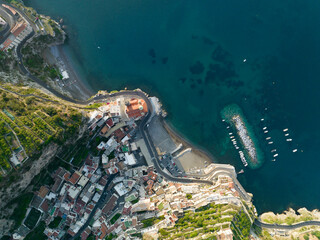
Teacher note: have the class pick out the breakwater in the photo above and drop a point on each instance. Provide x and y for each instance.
(249, 151)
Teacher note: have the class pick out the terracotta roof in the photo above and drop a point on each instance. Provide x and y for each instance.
(119, 134)
(43, 191)
(104, 130)
(110, 204)
(75, 177)
(136, 108)
(110, 122)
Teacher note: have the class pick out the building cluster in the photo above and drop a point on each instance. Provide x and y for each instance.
(115, 192)
(18, 32)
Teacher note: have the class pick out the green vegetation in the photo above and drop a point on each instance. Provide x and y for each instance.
(6, 61)
(22, 202)
(115, 218)
(55, 223)
(205, 220)
(33, 52)
(135, 201)
(37, 233)
(29, 123)
(6, 237)
(188, 196)
(151, 221)
(316, 234)
(241, 225)
(32, 218)
(94, 105)
(111, 236)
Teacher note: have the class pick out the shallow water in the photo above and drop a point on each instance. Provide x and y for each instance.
(190, 54)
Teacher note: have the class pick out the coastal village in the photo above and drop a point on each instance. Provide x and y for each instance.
(134, 181)
(116, 193)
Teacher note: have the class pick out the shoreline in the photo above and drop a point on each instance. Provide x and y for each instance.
(77, 85)
(179, 138)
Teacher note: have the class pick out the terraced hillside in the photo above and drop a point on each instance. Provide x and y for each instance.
(28, 123)
(205, 222)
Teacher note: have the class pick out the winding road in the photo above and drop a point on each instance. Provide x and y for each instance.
(142, 127)
(286, 227)
(10, 23)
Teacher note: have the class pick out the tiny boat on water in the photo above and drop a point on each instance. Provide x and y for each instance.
(289, 140)
(270, 142)
(268, 138)
(286, 129)
(294, 150)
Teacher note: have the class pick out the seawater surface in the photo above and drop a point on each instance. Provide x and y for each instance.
(191, 55)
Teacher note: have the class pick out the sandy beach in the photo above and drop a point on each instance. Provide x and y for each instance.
(75, 86)
(178, 138)
(197, 158)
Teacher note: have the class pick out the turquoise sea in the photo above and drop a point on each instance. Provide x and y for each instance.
(191, 55)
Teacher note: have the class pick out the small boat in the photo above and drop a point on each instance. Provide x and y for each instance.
(241, 171)
(287, 134)
(286, 129)
(273, 150)
(294, 150)
(237, 147)
(262, 119)
(289, 140)
(276, 155)
(99, 47)
(223, 120)
(230, 133)
(264, 128)
(273, 160)
(266, 131)
(270, 142)
(228, 127)
(244, 60)
(268, 138)
(232, 137)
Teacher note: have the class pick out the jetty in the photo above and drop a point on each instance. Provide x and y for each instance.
(249, 152)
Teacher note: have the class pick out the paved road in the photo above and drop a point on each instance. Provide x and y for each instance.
(286, 227)
(10, 20)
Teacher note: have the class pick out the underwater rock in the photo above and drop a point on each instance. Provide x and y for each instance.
(164, 60)
(152, 53)
(197, 68)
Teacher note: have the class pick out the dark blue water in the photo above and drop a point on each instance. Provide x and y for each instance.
(190, 54)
